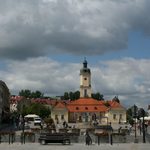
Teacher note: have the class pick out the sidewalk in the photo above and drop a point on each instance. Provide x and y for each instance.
(37, 146)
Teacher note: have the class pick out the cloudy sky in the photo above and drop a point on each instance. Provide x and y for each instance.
(43, 44)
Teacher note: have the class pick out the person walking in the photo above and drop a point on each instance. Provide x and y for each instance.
(88, 140)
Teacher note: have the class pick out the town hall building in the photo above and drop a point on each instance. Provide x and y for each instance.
(87, 110)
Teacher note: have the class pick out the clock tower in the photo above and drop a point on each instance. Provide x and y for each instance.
(85, 81)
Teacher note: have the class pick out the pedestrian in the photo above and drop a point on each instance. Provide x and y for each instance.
(88, 140)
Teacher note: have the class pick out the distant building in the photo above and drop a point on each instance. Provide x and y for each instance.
(116, 112)
(14, 101)
(4, 102)
(148, 111)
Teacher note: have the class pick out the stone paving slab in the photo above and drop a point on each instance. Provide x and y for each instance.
(37, 146)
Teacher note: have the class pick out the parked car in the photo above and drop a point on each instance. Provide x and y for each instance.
(54, 138)
(37, 121)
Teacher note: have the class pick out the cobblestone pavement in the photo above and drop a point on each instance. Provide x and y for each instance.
(37, 146)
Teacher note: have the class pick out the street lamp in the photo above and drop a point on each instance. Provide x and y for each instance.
(134, 114)
(142, 114)
(23, 125)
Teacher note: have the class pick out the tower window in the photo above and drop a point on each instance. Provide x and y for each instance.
(85, 78)
(85, 92)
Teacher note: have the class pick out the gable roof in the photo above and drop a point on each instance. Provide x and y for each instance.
(114, 104)
(60, 105)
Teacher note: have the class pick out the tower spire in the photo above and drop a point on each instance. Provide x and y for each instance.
(85, 63)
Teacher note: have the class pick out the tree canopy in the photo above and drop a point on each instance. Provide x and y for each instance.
(97, 96)
(38, 109)
(71, 95)
(29, 94)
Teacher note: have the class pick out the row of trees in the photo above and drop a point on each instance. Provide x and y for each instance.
(71, 95)
(76, 95)
(29, 94)
(67, 95)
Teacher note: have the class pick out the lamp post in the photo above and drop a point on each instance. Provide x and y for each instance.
(135, 109)
(23, 136)
(142, 114)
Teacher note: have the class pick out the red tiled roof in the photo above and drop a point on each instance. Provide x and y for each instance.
(88, 101)
(86, 108)
(44, 101)
(114, 104)
(86, 105)
(16, 98)
(60, 105)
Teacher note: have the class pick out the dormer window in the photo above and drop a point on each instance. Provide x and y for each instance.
(95, 108)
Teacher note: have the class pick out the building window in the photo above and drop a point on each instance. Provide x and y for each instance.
(85, 78)
(80, 118)
(120, 117)
(85, 92)
(86, 108)
(114, 116)
(56, 117)
(62, 117)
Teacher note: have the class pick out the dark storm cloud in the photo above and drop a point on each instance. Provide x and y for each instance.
(40, 27)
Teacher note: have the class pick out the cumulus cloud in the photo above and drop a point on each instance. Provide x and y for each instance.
(128, 78)
(48, 76)
(42, 27)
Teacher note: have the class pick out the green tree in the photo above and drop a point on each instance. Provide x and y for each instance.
(66, 96)
(130, 116)
(97, 96)
(71, 95)
(38, 109)
(37, 94)
(26, 93)
(77, 95)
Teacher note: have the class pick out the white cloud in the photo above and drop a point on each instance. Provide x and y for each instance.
(129, 78)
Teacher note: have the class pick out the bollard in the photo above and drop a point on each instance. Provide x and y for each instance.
(111, 139)
(0, 139)
(24, 137)
(98, 140)
(9, 138)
